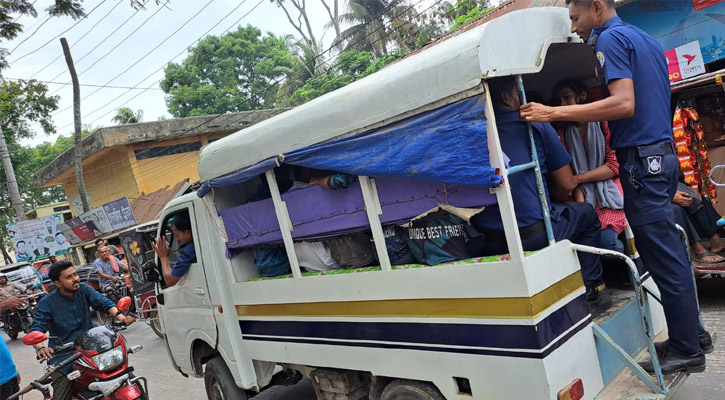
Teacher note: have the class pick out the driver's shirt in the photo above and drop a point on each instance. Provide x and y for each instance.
(7, 291)
(187, 256)
(66, 317)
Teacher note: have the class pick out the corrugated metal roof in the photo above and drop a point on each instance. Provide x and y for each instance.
(148, 207)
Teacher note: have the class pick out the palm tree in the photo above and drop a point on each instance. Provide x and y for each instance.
(125, 115)
(305, 64)
(368, 19)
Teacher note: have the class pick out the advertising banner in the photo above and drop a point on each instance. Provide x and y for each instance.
(107, 218)
(685, 61)
(38, 239)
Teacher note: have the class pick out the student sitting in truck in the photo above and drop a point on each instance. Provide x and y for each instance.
(574, 221)
(181, 228)
(595, 165)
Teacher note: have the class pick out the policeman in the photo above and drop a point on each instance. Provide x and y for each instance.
(638, 109)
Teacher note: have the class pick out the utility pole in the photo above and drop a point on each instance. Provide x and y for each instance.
(78, 136)
(13, 189)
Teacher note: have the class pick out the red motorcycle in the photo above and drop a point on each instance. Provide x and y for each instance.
(100, 364)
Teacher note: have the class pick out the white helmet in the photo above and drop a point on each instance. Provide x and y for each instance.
(2, 275)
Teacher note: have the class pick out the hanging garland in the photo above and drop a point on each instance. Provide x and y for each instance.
(692, 152)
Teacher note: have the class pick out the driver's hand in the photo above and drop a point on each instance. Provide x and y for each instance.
(115, 280)
(161, 247)
(128, 320)
(45, 354)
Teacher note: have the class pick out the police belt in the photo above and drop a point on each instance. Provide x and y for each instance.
(527, 232)
(656, 149)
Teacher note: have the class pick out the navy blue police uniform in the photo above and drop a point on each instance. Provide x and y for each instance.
(648, 172)
(570, 221)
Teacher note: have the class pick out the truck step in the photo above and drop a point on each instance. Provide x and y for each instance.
(628, 386)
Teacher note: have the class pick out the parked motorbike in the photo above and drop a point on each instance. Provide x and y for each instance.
(20, 319)
(100, 364)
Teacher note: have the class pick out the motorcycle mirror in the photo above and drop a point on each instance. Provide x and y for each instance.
(124, 303)
(73, 375)
(120, 256)
(34, 338)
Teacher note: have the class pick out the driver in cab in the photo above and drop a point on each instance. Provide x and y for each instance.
(181, 228)
(64, 314)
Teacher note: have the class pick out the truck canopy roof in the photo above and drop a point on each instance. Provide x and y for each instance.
(442, 74)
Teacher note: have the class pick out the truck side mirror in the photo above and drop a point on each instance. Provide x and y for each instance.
(151, 271)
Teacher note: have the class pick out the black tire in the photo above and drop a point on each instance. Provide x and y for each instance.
(219, 382)
(13, 334)
(404, 389)
(155, 323)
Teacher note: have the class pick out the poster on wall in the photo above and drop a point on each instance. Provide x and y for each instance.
(120, 214)
(38, 239)
(107, 218)
(685, 61)
(674, 23)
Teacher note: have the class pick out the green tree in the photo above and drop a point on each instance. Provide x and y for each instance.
(125, 115)
(349, 67)
(10, 10)
(21, 103)
(235, 72)
(368, 20)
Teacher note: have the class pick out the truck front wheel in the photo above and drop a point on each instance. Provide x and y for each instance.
(404, 389)
(219, 382)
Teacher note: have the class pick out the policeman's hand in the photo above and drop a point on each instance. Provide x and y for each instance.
(682, 199)
(161, 247)
(535, 112)
(45, 353)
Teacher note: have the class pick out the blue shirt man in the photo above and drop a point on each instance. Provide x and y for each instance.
(103, 266)
(187, 256)
(635, 73)
(181, 229)
(64, 313)
(514, 138)
(9, 384)
(573, 221)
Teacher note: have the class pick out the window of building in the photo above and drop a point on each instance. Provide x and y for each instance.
(153, 152)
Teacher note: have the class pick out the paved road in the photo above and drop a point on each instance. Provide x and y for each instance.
(164, 383)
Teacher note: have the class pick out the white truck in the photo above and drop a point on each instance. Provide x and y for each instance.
(419, 134)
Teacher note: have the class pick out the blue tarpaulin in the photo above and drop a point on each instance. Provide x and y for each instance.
(445, 145)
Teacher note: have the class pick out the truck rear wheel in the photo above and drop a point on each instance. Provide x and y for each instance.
(219, 382)
(404, 389)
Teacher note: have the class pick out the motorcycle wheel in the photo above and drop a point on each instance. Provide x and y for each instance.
(155, 323)
(28, 324)
(219, 382)
(13, 334)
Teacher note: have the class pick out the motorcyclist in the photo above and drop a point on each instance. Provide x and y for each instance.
(108, 267)
(7, 290)
(64, 314)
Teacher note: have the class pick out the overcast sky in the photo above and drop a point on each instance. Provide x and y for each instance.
(141, 50)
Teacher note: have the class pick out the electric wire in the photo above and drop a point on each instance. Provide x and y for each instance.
(76, 41)
(181, 134)
(111, 50)
(334, 45)
(45, 20)
(144, 56)
(172, 59)
(82, 84)
(60, 34)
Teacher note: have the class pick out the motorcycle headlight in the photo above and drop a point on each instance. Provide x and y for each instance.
(109, 359)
